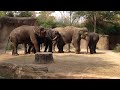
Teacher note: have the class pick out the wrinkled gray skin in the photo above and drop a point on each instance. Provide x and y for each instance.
(72, 35)
(50, 37)
(91, 42)
(25, 34)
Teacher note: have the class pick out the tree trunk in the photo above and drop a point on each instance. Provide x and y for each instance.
(44, 57)
(94, 21)
(94, 18)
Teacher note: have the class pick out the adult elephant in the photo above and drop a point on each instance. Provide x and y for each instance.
(50, 37)
(26, 34)
(71, 34)
(91, 42)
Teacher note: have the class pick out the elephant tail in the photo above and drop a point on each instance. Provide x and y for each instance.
(7, 44)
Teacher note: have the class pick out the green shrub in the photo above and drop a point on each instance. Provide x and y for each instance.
(117, 48)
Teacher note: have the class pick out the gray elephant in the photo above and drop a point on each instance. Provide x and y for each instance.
(26, 34)
(71, 34)
(51, 35)
(91, 42)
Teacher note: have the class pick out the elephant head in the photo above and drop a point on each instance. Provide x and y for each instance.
(56, 35)
(40, 31)
(83, 32)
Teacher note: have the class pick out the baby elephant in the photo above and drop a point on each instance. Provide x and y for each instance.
(92, 40)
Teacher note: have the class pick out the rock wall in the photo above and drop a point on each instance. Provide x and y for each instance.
(7, 24)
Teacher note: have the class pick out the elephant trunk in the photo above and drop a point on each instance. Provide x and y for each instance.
(54, 38)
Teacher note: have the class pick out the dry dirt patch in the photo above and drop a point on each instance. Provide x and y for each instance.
(104, 64)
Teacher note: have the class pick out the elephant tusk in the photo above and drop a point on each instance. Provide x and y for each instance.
(54, 38)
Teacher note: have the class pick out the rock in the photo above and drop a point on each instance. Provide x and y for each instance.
(13, 71)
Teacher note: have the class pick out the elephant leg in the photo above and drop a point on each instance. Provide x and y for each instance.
(35, 43)
(76, 39)
(13, 48)
(36, 47)
(60, 49)
(41, 46)
(94, 47)
(53, 46)
(91, 49)
(14, 52)
(77, 47)
(60, 45)
(33, 50)
(50, 48)
(69, 48)
(29, 48)
(25, 46)
(46, 47)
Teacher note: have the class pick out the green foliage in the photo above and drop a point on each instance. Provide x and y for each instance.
(24, 14)
(105, 28)
(10, 13)
(61, 24)
(2, 13)
(46, 23)
(117, 48)
(106, 21)
(45, 20)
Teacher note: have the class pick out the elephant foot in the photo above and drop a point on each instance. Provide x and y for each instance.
(86, 52)
(50, 51)
(53, 51)
(60, 51)
(69, 51)
(26, 53)
(91, 52)
(77, 52)
(15, 54)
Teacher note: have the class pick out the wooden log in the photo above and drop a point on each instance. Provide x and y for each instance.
(44, 57)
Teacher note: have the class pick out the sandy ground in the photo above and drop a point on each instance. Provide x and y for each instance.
(104, 64)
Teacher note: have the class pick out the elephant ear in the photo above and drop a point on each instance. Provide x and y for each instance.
(84, 32)
(39, 30)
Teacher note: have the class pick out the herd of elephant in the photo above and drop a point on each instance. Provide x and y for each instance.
(33, 36)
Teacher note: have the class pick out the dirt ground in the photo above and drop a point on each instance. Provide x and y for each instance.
(104, 64)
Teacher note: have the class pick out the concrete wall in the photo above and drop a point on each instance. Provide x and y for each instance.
(113, 41)
(105, 42)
